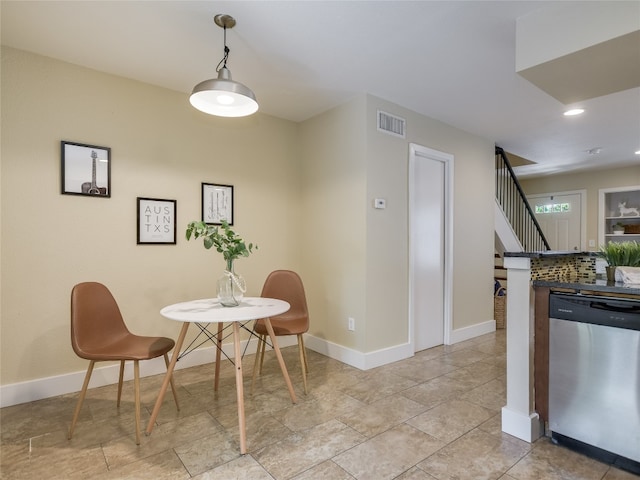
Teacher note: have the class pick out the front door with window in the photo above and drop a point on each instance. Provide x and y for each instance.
(560, 218)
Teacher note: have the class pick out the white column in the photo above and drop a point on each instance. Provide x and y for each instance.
(518, 416)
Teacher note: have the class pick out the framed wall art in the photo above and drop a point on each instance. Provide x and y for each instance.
(156, 221)
(217, 203)
(86, 169)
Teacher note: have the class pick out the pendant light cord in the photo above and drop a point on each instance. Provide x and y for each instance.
(223, 62)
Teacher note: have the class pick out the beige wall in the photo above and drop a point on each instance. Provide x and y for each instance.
(303, 193)
(473, 197)
(361, 270)
(592, 182)
(334, 229)
(161, 148)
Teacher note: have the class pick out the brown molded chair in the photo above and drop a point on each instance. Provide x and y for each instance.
(99, 334)
(285, 285)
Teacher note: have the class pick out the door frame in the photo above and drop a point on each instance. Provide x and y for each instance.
(583, 211)
(416, 151)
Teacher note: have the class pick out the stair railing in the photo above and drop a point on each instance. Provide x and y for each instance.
(516, 207)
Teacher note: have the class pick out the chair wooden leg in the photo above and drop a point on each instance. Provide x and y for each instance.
(303, 361)
(120, 379)
(304, 352)
(173, 386)
(136, 386)
(83, 393)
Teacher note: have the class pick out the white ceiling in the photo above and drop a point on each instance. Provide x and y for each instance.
(450, 60)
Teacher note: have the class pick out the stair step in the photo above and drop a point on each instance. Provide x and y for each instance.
(499, 272)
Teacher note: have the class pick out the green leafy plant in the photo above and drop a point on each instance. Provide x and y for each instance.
(223, 238)
(618, 254)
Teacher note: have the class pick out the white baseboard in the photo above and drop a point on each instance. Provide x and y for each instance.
(467, 333)
(363, 361)
(29, 391)
(22, 392)
(366, 361)
(525, 427)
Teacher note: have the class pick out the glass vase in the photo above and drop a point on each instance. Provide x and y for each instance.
(231, 287)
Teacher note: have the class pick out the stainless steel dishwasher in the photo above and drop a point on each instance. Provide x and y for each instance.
(594, 376)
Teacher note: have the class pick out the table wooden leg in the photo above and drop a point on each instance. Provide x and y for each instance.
(168, 377)
(216, 382)
(257, 364)
(239, 387)
(283, 367)
(136, 389)
(171, 382)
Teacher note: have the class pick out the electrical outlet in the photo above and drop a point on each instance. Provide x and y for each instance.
(352, 324)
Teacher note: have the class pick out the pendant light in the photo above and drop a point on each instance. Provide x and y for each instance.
(222, 96)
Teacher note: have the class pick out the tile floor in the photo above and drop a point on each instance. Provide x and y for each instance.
(433, 416)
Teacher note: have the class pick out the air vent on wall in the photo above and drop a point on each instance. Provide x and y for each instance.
(391, 124)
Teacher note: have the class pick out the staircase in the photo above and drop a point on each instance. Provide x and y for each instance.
(516, 227)
(499, 272)
(515, 210)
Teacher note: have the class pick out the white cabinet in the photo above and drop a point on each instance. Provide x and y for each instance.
(619, 214)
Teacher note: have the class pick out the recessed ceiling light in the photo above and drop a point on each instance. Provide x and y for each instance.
(638, 152)
(573, 111)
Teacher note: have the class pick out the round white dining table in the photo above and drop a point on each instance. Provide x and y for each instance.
(209, 310)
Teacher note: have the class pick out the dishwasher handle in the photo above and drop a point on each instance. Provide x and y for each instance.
(615, 307)
(606, 311)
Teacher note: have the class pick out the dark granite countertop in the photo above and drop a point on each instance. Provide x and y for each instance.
(596, 285)
(550, 253)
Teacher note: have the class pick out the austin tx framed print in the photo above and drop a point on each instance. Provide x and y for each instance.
(217, 203)
(156, 221)
(86, 169)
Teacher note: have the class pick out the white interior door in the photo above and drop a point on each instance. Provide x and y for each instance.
(428, 187)
(560, 218)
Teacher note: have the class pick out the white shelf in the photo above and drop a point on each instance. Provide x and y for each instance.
(609, 212)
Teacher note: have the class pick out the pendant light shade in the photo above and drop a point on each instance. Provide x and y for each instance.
(222, 96)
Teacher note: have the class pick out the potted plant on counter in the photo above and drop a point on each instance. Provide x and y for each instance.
(231, 286)
(619, 254)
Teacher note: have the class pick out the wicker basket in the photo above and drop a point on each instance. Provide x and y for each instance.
(632, 229)
(500, 307)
